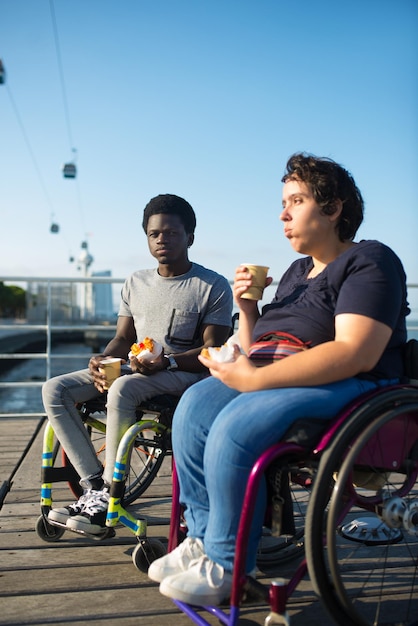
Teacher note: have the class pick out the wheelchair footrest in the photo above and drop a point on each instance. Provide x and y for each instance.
(107, 533)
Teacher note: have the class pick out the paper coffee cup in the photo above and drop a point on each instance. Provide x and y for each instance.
(259, 274)
(111, 369)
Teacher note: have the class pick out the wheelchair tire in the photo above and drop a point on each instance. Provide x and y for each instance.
(274, 552)
(147, 551)
(367, 554)
(146, 459)
(48, 532)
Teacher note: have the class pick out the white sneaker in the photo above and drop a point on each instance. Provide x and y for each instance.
(204, 583)
(176, 561)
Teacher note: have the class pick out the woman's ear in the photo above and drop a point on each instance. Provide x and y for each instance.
(335, 209)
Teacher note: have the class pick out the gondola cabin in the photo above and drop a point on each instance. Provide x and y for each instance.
(2, 73)
(69, 170)
(54, 228)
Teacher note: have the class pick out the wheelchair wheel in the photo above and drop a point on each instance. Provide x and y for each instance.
(365, 502)
(48, 532)
(98, 438)
(274, 551)
(147, 456)
(147, 551)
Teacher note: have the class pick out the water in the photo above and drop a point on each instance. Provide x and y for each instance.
(413, 334)
(29, 399)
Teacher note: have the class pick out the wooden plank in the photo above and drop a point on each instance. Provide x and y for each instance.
(80, 582)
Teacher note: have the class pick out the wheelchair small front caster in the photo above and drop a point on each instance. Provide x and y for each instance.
(147, 551)
(47, 531)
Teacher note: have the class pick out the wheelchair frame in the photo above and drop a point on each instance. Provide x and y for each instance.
(354, 435)
(160, 407)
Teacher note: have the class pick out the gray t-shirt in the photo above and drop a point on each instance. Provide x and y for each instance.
(173, 310)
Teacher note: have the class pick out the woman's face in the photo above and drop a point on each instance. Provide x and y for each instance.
(306, 227)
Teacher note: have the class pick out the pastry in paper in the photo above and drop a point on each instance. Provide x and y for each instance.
(223, 354)
(147, 350)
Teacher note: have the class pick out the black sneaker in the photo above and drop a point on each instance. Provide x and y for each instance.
(63, 514)
(92, 518)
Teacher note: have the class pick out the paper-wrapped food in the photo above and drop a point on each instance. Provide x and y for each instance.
(223, 354)
(147, 350)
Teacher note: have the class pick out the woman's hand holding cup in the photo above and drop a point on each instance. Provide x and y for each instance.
(249, 283)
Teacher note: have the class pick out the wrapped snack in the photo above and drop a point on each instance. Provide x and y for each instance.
(223, 354)
(147, 350)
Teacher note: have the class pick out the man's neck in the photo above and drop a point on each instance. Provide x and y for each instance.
(168, 271)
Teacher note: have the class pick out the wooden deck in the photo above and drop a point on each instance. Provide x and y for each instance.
(81, 582)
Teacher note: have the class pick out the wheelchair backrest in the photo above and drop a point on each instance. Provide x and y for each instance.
(411, 360)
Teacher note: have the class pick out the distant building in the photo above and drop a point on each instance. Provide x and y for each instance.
(64, 304)
(102, 299)
(71, 302)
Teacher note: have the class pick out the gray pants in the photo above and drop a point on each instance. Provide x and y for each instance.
(62, 393)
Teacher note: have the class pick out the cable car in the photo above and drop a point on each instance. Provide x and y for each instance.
(69, 170)
(2, 73)
(54, 228)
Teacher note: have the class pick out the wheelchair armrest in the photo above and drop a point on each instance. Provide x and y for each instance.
(163, 401)
(164, 404)
(95, 405)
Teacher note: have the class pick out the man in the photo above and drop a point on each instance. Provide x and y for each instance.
(180, 304)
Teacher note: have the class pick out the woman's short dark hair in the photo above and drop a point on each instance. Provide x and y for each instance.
(329, 182)
(169, 203)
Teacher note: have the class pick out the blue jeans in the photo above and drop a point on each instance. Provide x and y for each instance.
(218, 434)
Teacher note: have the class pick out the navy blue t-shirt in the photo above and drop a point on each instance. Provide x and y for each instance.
(367, 279)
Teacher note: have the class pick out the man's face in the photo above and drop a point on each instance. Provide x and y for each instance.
(167, 239)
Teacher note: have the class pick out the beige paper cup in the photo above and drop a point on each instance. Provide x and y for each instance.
(259, 274)
(111, 369)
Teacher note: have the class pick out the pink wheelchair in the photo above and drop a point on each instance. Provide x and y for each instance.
(351, 488)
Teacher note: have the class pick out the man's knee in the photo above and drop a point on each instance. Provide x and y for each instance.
(50, 390)
(124, 393)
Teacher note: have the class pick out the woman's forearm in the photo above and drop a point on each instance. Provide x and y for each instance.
(247, 322)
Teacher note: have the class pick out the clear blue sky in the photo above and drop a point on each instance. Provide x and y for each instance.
(206, 99)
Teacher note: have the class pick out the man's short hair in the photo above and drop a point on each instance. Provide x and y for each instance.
(174, 205)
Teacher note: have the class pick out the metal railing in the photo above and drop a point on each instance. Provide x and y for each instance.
(47, 326)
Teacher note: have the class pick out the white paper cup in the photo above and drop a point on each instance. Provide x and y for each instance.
(259, 274)
(111, 369)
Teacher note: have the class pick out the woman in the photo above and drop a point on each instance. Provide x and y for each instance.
(347, 301)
